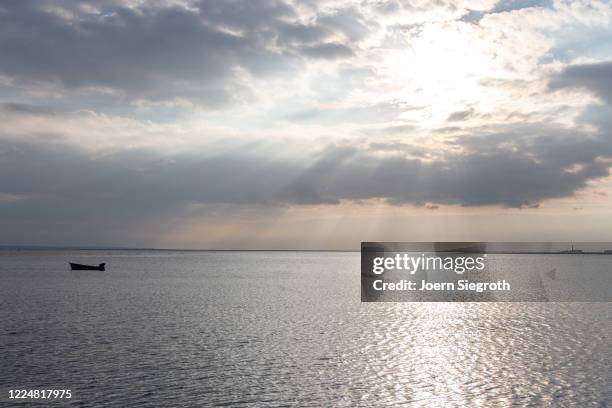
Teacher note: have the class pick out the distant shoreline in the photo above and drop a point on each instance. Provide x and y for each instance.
(547, 253)
(45, 248)
(25, 248)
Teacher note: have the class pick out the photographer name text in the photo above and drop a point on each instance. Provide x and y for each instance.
(423, 285)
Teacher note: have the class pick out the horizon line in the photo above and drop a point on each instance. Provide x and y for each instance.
(114, 248)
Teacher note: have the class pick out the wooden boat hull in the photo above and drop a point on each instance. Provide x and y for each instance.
(81, 267)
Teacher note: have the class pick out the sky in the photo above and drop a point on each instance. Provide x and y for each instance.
(304, 124)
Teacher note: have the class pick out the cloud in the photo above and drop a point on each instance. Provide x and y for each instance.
(202, 53)
(337, 103)
(348, 22)
(327, 51)
(127, 189)
(594, 77)
(22, 108)
(368, 113)
(460, 115)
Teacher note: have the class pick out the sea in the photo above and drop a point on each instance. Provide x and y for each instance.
(280, 328)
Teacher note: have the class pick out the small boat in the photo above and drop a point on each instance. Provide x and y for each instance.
(81, 267)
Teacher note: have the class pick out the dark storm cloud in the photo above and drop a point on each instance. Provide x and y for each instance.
(159, 52)
(597, 78)
(123, 190)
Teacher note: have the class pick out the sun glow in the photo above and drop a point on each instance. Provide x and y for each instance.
(441, 69)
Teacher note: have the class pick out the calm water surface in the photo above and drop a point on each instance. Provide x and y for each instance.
(281, 329)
